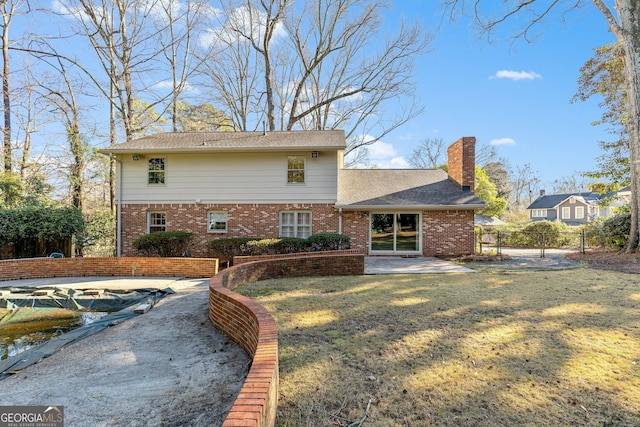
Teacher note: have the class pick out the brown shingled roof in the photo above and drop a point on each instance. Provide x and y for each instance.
(233, 141)
(410, 188)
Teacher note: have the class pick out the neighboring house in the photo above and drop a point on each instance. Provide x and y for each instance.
(572, 209)
(271, 184)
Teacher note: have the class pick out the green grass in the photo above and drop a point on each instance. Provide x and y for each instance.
(491, 349)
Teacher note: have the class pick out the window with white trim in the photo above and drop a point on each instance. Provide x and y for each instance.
(295, 169)
(579, 212)
(156, 221)
(538, 213)
(217, 221)
(566, 213)
(156, 175)
(295, 224)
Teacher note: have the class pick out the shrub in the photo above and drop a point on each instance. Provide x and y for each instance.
(594, 234)
(99, 236)
(329, 242)
(226, 249)
(282, 245)
(616, 230)
(555, 234)
(164, 244)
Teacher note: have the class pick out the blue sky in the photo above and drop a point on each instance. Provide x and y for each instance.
(513, 95)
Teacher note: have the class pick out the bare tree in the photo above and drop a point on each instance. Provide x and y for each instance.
(63, 99)
(233, 62)
(126, 47)
(569, 184)
(30, 114)
(430, 154)
(177, 23)
(9, 9)
(622, 17)
(525, 186)
(319, 67)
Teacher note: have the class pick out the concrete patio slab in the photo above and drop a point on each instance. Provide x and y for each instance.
(410, 265)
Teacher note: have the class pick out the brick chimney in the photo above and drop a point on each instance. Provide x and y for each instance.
(542, 193)
(462, 161)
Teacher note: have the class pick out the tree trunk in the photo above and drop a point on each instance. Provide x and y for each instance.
(5, 95)
(629, 16)
(77, 167)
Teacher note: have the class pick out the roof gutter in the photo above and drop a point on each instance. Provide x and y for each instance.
(212, 149)
(411, 208)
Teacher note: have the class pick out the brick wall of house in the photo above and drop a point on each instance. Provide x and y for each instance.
(461, 157)
(355, 224)
(244, 220)
(447, 233)
(444, 233)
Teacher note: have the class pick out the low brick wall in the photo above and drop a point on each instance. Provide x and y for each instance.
(252, 327)
(251, 258)
(38, 268)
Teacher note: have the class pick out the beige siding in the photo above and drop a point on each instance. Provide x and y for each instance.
(230, 178)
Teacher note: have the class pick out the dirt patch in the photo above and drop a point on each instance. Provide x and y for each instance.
(616, 261)
(482, 258)
(515, 259)
(166, 367)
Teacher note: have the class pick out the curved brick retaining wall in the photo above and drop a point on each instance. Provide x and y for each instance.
(250, 325)
(243, 320)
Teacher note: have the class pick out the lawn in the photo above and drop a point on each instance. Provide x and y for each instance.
(557, 348)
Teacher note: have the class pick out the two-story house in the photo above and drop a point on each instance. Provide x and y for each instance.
(572, 209)
(293, 184)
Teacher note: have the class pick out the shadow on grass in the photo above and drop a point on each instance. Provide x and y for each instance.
(530, 348)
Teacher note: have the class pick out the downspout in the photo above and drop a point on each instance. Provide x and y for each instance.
(339, 220)
(119, 207)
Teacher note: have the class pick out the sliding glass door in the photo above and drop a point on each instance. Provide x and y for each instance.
(395, 233)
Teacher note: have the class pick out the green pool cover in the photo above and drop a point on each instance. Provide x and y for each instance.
(23, 305)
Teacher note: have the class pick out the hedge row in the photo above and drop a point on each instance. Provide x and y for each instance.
(164, 244)
(226, 249)
(611, 233)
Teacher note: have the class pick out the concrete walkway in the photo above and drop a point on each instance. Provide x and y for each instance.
(417, 265)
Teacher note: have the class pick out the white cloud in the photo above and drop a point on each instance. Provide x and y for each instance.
(393, 163)
(381, 150)
(503, 141)
(168, 84)
(516, 75)
(384, 155)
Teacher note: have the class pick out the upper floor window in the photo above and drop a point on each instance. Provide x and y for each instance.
(217, 222)
(295, 169)
(566, 213)
(156, 170)
(295, 224)
(156, 221)
(539, 213)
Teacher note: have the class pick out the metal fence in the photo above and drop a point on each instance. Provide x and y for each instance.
(497, 240)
